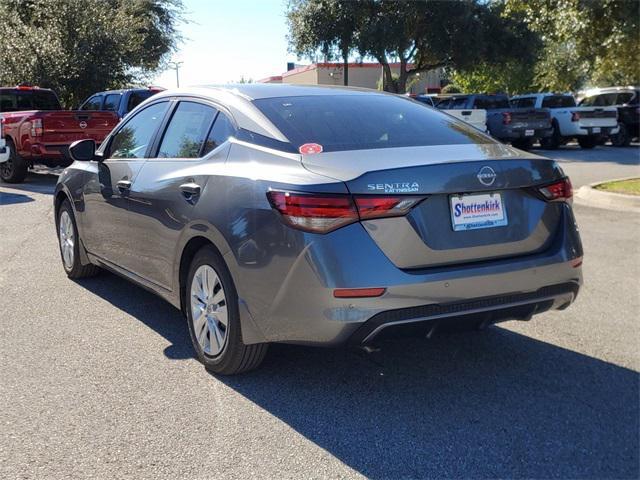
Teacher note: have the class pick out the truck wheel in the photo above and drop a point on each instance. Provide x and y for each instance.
(211, 307)
(552, 142)
(622, 138)
(587, 141)
(522, 143)
(15, 169)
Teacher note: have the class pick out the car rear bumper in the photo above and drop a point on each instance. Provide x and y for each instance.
(300, 306)
(517, 134)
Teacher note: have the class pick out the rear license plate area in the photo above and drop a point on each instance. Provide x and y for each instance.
(529, 133)
(472, 212)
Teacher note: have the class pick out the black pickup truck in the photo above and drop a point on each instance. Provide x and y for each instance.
(519, 126)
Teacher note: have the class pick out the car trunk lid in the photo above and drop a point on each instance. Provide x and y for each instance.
(428, 235)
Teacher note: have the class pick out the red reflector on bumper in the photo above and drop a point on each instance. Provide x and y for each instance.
(358, 292)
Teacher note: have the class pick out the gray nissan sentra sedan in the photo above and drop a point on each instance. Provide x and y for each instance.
(319, 216)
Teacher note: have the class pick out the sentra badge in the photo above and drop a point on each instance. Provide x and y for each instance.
(398, 187)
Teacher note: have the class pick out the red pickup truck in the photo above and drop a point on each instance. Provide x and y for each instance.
(38, 131)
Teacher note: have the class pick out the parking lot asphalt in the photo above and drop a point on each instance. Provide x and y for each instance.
(98, 378)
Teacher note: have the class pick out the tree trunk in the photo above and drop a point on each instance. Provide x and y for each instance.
(403, 76)
(388, 85)
(345, 63)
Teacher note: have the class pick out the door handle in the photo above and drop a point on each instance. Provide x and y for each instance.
(190, 190)
(124, 185)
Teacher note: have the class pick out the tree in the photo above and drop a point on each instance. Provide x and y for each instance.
(77, 47)
(326, 26)
(585, 41)
(419, 35)
(510, 78)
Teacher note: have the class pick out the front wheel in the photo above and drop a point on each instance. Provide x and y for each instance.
(15, 169)
(211, 308)
(69, 242)
(587, 141)
(622, 138)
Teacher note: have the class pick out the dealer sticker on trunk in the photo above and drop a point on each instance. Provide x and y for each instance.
(469, 212)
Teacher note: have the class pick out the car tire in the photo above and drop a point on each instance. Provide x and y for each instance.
(553, 141)
(15, 169)
(587, 141)
(622, 138)
(69, 243)
(522, 143)
(211, 308)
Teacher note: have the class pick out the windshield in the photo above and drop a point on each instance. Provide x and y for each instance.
(19, 100)
(359, 122)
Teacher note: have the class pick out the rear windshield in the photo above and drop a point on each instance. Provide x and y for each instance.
(20, 100)
(359, 122)
(491, 102)
(558, 101)
(136, 98)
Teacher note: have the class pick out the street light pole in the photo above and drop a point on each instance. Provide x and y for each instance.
(176, 66)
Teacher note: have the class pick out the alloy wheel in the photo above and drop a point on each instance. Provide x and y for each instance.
(67, 239)
(209, 310)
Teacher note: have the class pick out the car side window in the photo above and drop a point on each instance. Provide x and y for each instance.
(458, 103)
(94, 103)
(112, 102)
(134, 137)
(187, 131)
(222, 129)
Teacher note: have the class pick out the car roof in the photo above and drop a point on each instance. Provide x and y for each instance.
(256, 91)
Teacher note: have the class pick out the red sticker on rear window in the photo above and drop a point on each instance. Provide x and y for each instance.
(310, 148)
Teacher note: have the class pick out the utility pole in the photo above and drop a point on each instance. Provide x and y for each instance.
(176, 66)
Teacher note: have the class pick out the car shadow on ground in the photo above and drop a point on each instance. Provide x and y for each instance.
(488, 404)
(492, 404)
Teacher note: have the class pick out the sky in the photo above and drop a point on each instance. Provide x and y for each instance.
(227, 39)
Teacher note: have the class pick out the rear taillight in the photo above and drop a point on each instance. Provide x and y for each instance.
(575, 116)
(36, 127)
(560, 191)
(323, 213)
(506, 118)
(2, 127)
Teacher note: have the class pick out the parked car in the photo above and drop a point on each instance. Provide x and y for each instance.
(626, 99)
(520, 126)
(38, 131)
(585, 124)
(318, 216)
(119, 101)
(475, 117)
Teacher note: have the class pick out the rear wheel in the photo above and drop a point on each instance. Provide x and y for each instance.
(69, 242)
(211, 308)
(522, 143)
(622, 138)
(552, 142)
(587, 141)
(15, 169)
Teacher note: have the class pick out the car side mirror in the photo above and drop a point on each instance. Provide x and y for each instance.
(83, 150)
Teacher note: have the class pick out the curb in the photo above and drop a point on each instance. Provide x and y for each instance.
(590, 196)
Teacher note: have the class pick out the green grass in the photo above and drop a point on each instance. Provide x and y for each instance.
(630, 187)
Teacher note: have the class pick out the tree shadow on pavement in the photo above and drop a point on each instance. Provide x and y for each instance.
(13, 198)
(44, 183)
(492, 404)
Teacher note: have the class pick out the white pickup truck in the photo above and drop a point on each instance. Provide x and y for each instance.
(474, 117)
(586, 124)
